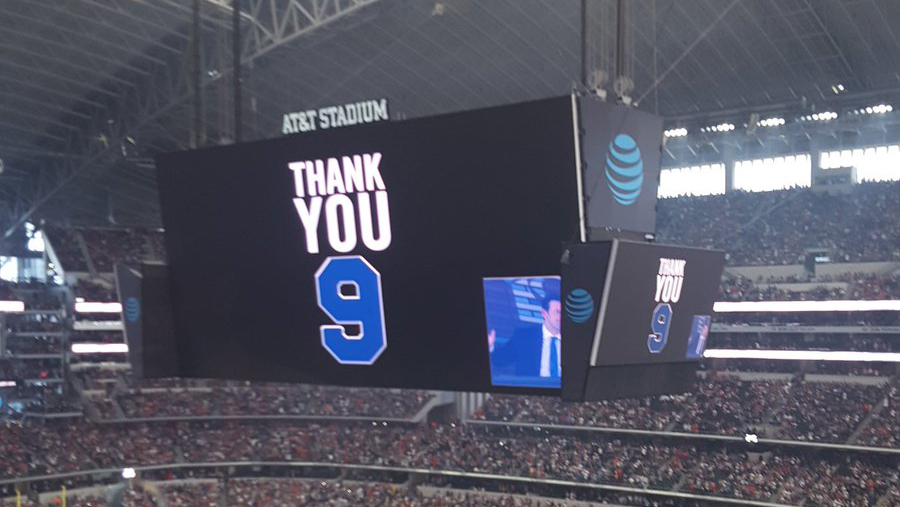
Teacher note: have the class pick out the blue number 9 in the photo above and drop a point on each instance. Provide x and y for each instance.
(349, 291)
(662, 319)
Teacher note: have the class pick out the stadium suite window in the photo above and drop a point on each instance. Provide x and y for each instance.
(876, 163)
(9, 269)
(775, 173)
(706, 179)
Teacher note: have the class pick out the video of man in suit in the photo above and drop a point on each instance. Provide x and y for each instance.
(524, 335)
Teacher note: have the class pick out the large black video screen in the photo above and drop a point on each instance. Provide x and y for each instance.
(357, 256)
(657, 304)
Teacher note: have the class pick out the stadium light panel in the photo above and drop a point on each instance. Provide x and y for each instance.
(12, 306)
(676, 132)
(771, 122)
(99, 348)
(877, 109)
(95, 307)
(803, 355)
(823, 116)
(98, 325)
(722, 127)
(806, 306)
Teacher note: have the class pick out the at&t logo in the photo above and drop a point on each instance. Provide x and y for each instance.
(132, 309)
(624, 169)
(579, 305)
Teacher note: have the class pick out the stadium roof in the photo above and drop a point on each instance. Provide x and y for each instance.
(90, 90)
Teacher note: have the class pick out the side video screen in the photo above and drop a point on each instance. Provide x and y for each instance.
(660, 304)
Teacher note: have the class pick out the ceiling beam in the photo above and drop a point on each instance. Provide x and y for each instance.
(287, 21)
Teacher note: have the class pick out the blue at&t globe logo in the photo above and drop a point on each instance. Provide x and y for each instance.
(624, 169)
(132, 309)
(579, 305)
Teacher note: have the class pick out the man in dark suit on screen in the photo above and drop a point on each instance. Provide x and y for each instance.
(534, 350)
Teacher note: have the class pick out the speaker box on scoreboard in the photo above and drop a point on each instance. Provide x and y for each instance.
(147, 320)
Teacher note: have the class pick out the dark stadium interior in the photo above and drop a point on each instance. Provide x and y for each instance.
(760, 100)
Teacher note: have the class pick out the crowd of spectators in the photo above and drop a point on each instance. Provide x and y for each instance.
(806, 341)
(25, 345)
(272, 400)
(108, 247)
(54, 400)
(201, 494)
(649, 413)
(64, 241)
(32, 369)
(844, 483)
(95, 291)
(876, 287)
(137, 497)
(97, 337)
(770, 228)
(744, 289)
(810, 411)
(846, 368)
(157, 246)
(815, 411)
(852, 287)
(871, 369)
(827, 411)
(846, 491)
(260, 492)
(854, 318)
(33, 323)
(37, 398)
(12, 290)
(104, 408)
(840, 482)
(574, 456)
(884, 429)
(39, 300)
(96, 376)
(71, 501)
(264, 492)
(730, 406)
(735, 475)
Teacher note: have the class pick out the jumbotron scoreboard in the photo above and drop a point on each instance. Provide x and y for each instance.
(448, 252)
